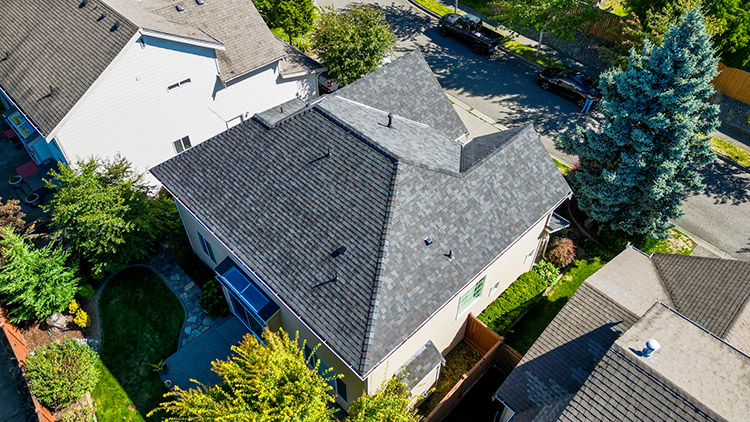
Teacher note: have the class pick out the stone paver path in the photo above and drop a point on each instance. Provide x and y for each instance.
(197, 321)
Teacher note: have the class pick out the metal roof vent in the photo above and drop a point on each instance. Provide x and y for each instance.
(652, 345)
(338, 251)
(180, 8)
(427, 241)
(103, 15)
(199, 2)
(115, 27)
(83, 4)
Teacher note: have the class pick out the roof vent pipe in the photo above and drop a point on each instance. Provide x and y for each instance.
(199, 2)
(390, 119)
(652, 345)
(338, 251)
(180, 8)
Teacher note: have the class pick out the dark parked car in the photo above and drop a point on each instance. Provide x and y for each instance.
(471, 29)
(569, 83)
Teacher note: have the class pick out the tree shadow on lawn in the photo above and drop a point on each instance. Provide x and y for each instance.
(141, 322)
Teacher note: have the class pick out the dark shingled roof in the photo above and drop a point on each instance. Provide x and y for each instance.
(419, 365)
(408, 88)
(57, 45)
(709, 291)
(624, 389)
(282, 205)
(561, 359)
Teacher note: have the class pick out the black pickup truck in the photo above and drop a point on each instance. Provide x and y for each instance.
(471, 29)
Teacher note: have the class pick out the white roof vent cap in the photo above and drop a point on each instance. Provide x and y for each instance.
(652, 345)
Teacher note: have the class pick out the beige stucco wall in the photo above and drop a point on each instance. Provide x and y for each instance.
(446, 327)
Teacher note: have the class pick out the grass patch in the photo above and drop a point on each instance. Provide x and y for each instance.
(141, 322)
(564, 168)
(677, 243)
(458, 362)
(528, 329)
(530, 54)
(112, 402)
(435, 6)
(735, 153)
(618, 7)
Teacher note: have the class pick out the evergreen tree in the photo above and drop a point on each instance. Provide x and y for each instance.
(34, 282)
(634, 174)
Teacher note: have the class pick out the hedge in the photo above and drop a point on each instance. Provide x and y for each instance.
(513, 302)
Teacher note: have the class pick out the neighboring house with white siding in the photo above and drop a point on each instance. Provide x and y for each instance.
(146, 80)
(365, 222)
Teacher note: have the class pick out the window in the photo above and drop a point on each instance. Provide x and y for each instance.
(341, 389)
(494, 287)
(470, 296)
(174, 86)
(182, 144)
(207, 249)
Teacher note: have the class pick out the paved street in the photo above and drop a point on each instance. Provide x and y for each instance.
(503, 88)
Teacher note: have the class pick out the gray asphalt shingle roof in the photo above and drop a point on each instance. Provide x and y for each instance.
(57, 46)
(406, 87)
(419, 365)
(687, 278)
(283, 203)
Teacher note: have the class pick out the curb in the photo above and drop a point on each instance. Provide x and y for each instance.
(732, 125)
(500, 47)
(731, 162)
(476, 113)
(711, 248)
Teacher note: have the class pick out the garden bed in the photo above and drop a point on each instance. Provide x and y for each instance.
(459, 361)
(141, 321)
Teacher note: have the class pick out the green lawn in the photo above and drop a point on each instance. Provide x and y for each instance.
(725, 148)
(564, 168)
(530, 54)
(141, 321)
(526, 331)
(458, 362)
(435, 6)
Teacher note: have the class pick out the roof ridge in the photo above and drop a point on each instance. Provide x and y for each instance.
(378, 268)
(385, 112)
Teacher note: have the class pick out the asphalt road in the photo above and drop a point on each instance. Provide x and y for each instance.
(503, 87)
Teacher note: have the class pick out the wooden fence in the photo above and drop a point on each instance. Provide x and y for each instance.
(21, 351)
(733, 83)
(487, 342)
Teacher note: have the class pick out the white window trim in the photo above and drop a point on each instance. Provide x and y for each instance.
(476, 298)
(181, 143)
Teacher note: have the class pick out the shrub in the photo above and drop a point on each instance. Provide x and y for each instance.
(82, 319)
(73, 307)
(212, 299)
(80, 415)
(547, 271)
(507, 308)
(86, 291)
(561, 252)
(60, 373)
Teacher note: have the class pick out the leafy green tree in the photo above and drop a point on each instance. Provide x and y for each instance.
(561, 18)
(34, 283)
(352, 43)
(60, 373)
(634, 174)
(261, 383)
(391, 403)
(728, 22)
(104, 209)
(295, 17)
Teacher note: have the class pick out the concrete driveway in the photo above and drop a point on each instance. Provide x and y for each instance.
(504, 88)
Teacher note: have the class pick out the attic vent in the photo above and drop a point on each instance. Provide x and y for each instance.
(652, 345)
(338, 251)
(180, 8)
(427, 241)
(115, 27)
(200, 2)
(103, 15)
(83, 4)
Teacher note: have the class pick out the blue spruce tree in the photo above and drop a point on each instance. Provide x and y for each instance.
(635, 173)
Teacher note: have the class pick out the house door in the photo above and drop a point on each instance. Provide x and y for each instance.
(251, 321)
